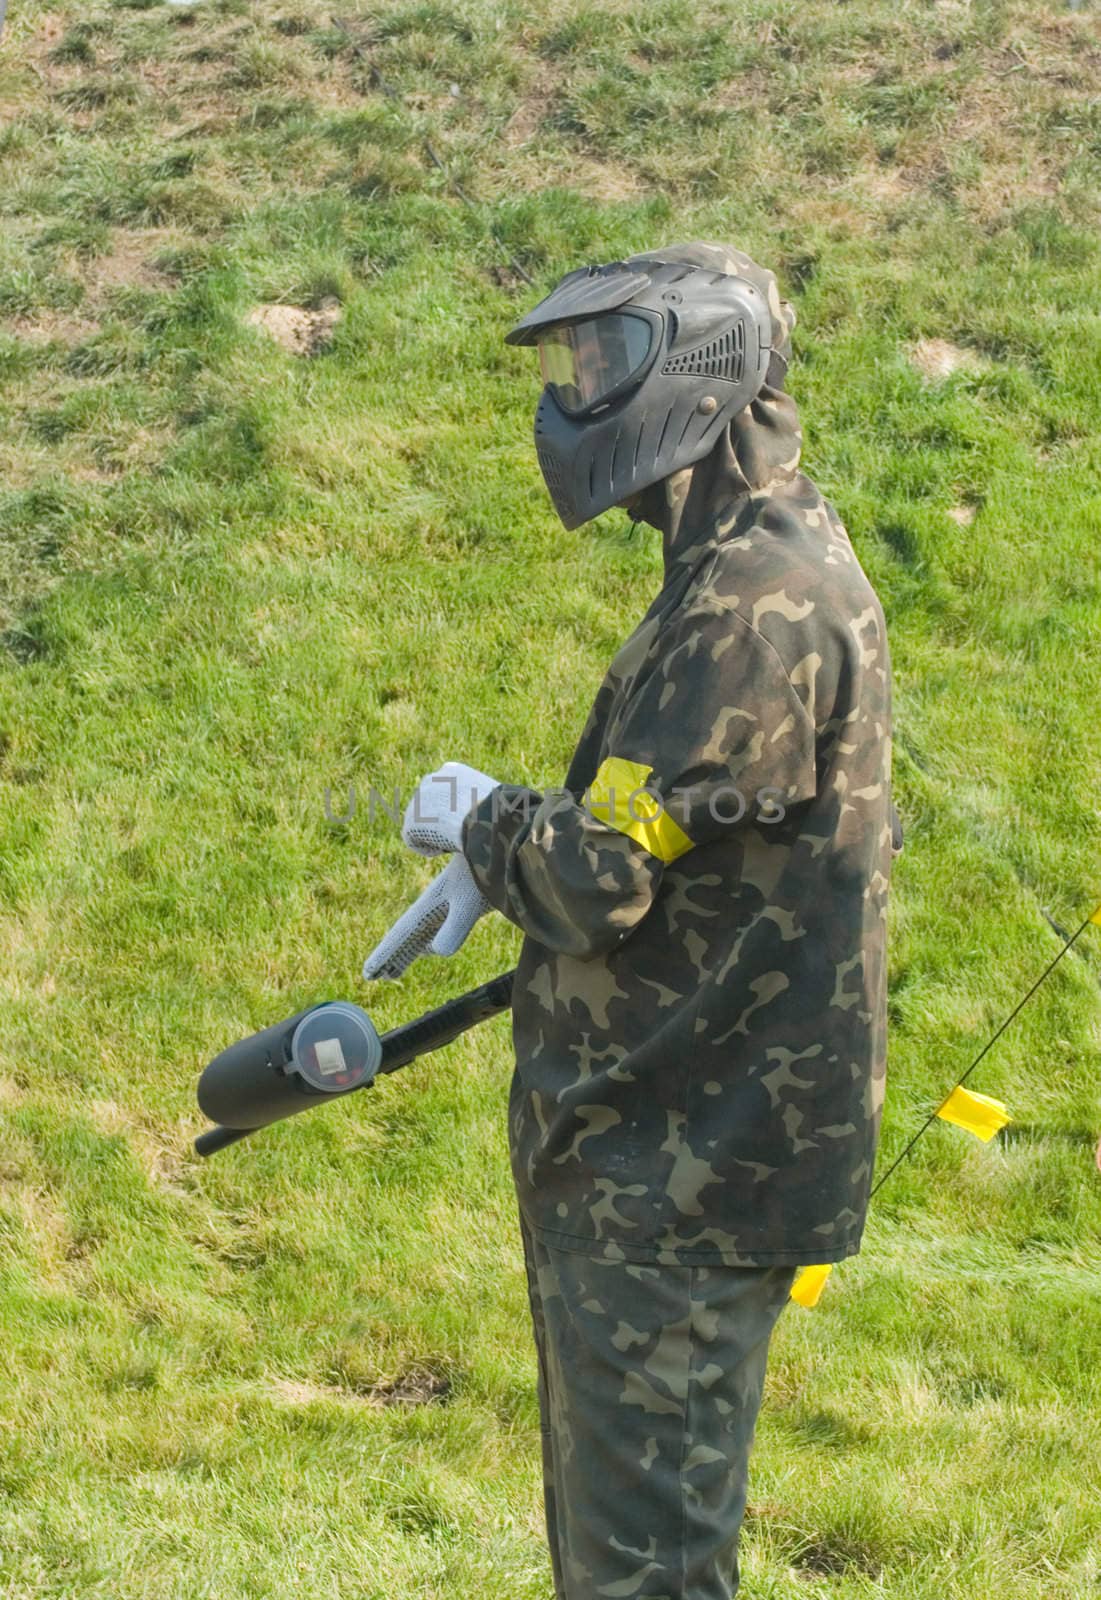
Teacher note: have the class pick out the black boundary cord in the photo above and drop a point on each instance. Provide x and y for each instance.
(361, 47)
(1017, 1009)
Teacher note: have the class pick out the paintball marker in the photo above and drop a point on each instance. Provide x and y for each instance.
(321, 1053)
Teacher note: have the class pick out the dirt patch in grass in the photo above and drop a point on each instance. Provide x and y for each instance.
(299, 331)
(603, 181)
(937, 359)
(130, 261)
(362, 1366)
(832, 1555)
(46, 37)
(51, 327)
(535, 106)
(885, 183)
(812, 1556)
(296, 1393)
(419, 1386)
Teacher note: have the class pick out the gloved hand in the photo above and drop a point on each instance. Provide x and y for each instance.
(438, 921)
(441, 803)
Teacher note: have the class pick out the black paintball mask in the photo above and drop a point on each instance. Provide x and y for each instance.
(645, 363)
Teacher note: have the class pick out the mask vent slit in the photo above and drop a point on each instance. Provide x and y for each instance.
(664, 430)
(722, 358)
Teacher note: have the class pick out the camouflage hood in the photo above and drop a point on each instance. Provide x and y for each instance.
(760, 448)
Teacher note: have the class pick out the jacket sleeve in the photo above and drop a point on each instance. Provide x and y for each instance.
(711, 738)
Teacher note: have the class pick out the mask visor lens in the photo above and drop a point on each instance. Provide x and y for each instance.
(586, 361)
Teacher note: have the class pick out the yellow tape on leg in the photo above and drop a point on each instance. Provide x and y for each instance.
(808, 1285)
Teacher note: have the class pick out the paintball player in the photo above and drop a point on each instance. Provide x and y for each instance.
(699, 1007)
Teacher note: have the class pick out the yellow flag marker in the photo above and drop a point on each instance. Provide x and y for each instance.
(808, 1285)
(978, 1113)
(1096, 916)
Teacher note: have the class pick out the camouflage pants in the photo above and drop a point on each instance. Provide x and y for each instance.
(650, 1382)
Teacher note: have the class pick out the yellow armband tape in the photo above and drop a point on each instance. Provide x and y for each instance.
(619, 797)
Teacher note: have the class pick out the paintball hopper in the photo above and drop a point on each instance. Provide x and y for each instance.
(321, 1053)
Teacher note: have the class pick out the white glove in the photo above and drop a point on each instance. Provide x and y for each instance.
(438, 921)
(441, 803)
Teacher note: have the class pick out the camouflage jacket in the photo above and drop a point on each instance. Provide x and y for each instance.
(699, 1009)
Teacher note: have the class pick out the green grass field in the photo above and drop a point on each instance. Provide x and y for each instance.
(234, 576)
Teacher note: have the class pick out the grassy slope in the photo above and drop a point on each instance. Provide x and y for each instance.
(233, 577)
